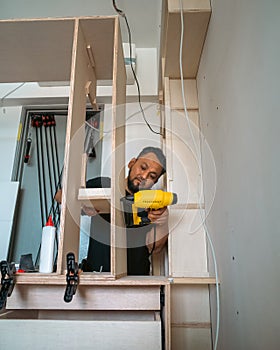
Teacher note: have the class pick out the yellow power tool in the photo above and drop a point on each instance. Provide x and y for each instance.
(138, 204)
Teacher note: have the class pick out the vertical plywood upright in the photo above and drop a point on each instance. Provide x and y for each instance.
(81, 73)
(94, 58)
(187, 249)
(118, 232)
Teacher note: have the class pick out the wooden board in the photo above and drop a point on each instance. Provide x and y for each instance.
(96, 315)
(35, 50)
(189, 338)
(81, 73)
(184, 159)
(196, 21)
(40, 49)
(90, 279)
(95, 297)
(118, 231)
(176, 101)
(99, 198)
(192, 280)
(189, 5)
(187, 244)
(61, 334)
(190, 305)
(99, 35)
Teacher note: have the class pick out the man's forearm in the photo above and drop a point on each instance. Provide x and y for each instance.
(157, 237)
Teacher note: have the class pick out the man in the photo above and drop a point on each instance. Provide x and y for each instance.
(144, 173)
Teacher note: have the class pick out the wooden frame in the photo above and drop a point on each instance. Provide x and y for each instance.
(79, 50)
(84, 50)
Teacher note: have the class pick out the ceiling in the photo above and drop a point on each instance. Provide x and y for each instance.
(144, 17)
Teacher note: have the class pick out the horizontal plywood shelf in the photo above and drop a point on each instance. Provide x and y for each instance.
(100, 198)
(90, 278)
(41, 49)
(104, 279)
(192, 280)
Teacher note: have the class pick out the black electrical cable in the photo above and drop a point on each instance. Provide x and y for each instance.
(48, 162)
(53, 151)
(43, 176)
(121, 13)
(39, 177)
(55, 175)
(56, 152)
(58, 185)
(58, 179)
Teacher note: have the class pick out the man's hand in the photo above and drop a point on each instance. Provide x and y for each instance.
(58, 196)
(89, 211)
(160, 218)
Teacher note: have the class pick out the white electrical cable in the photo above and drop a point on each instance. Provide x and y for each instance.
(200, 172)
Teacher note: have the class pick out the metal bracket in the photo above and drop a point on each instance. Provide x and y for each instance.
(7, 281)
(72, 277)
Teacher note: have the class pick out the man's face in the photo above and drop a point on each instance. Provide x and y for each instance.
(144, 172)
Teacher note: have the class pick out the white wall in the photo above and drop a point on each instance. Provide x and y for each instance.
(9, 125)
(238, 88)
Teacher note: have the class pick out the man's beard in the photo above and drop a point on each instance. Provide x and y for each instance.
(132, 188)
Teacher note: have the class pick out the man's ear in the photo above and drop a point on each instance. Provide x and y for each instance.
(131, 163)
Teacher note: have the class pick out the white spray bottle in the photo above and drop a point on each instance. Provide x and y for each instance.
(47, 247)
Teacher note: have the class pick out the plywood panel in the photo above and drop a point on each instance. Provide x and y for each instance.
(81, 73)
(93, 315)
(89, 279)
(40, 49)
(99, 198)
(184, 157)
(190, 304)
(167, 316)
(188, 338)
(99, 35)
(118, 252)
(176, 100)
(36, 50)
(189, 5)
(86, 298)
(187, 244)
(105, 335)
(168, 133)
(196, 21)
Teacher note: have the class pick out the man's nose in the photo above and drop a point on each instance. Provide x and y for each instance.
(144, 174)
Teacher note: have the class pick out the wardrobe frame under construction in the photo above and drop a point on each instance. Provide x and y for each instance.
(137, 309)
